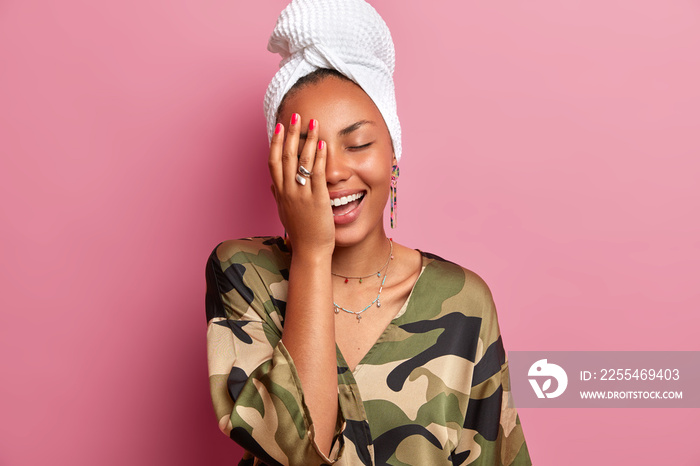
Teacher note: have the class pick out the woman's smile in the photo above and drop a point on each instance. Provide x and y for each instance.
(346, 205)
(346, 208)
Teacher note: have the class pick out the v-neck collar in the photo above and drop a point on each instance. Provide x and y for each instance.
(365, 359)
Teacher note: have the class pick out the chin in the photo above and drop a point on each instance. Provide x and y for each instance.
(345, 239)
(352, 235)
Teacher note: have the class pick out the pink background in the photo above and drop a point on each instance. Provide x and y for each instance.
(550, 146)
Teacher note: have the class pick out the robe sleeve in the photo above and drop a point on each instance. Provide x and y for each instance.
(492, 434)
(255, 388)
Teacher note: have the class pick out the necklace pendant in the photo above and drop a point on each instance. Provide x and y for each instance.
(377, 300)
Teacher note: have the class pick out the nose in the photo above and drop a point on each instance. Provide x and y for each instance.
(337, 168)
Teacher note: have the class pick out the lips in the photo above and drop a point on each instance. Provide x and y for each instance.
(342, 200)
(345, 207)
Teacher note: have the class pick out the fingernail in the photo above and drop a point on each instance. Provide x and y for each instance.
(312, 124)
(278, 128)
(295, 118)
(321, 145)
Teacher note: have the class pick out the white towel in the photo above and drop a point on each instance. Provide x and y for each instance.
(345, 35)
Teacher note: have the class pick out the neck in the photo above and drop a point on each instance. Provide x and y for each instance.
(361, 258)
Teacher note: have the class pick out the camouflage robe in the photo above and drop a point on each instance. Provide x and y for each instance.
(433, 390)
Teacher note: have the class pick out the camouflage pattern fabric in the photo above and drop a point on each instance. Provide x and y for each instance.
(433, 390)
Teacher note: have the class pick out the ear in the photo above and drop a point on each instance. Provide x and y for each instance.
(393, 159)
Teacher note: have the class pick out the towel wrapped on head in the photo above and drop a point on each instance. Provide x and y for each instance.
(345, 35)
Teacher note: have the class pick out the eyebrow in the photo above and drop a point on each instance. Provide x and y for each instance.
(347, 130)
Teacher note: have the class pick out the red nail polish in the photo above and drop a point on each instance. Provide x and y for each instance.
(312, 124)
(295, 118)
(278, 128)
(320, 145)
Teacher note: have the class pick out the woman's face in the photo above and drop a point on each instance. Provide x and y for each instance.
(360, 154)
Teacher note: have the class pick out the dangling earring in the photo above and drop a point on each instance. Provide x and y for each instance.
(286, 238)
(394, 181)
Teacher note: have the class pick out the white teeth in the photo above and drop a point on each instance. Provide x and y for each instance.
(345, 199)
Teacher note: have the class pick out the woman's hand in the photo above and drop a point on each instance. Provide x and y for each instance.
(309, 324)
(305, 210)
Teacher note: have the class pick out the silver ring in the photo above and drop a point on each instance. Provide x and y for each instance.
(300, 179)
(304, 172)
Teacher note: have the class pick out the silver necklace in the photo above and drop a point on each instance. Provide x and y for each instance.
(378, 274)
(377, 300)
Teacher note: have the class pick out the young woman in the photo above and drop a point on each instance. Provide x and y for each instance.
(338, 345)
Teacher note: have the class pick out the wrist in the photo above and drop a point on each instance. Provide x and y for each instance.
(312, 257)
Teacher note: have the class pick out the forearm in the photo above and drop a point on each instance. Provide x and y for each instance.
(309, 336)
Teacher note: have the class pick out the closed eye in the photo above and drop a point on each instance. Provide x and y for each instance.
(360, 147)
